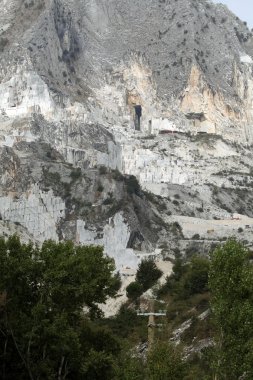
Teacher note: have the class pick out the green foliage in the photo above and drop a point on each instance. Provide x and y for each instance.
(44, 333)
(117, 176)
(100, 349)
(165, 362)
(131, 368)
(75, 174)
(42, 294)
(178, 269)
(147, 274)
(102, 170)
(188, 279)
(132, 185)
(231, 285)
(108, 201)
(134, 290)
(52, 178)
(128, 326)
(100, 187)
(196, 278)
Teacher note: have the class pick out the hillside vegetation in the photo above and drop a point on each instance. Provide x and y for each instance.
(52, 328)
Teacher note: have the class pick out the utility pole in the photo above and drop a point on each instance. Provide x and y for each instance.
(151, 321)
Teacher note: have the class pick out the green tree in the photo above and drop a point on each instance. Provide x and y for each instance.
(178, 269)
(147, 274)
(196, 277)
(134, 290)
(42, 325)
(187, 279)
(165, 362)
(231, 285)
(131, 367)
(132, 185)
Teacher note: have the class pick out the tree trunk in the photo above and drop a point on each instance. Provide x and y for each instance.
(4, 356)
(60, 368)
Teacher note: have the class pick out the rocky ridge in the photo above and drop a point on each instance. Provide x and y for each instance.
(94, 92)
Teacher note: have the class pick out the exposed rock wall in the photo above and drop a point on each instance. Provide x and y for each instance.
(37, 211)
(71, 76)
(115, 237)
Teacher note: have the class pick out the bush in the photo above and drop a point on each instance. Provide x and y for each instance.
(148, 274)
(76, 174)
(108, 201)
(117, 176)
(165, 362)
(133, 186)
(196, 280)
(134, 290)
(100, 188)
(102, 170)
(178, 269)
(187, 279)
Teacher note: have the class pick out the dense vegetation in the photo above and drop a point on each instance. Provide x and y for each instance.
(146, 276)
(44, 332)
(51, 326)
(231, 285)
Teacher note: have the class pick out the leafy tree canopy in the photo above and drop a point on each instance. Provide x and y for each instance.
(231, 285)
(165, 362)
(42, 320)
(134, 290)
(147, 274)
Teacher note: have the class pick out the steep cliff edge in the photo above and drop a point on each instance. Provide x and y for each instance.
(163, 92)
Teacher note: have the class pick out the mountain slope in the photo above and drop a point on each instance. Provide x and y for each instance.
(163, 92)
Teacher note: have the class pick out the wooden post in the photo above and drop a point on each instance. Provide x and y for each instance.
(152, 322)
(151, 326)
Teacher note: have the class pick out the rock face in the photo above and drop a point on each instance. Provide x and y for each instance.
(95, 91)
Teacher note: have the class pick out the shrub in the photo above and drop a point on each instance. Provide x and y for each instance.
(76, 174)
(187, 279)
(117, 175)
(102, 170)
(133, 186)
(134, 290)
(176, 227)
(178, 269)
(148, 274)
(165, 362)
(100, 188)
(196, 280)
(108, 201)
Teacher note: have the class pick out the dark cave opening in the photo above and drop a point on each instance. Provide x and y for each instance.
(138, 115)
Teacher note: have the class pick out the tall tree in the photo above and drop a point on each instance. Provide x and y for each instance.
(147, 274)
(231, 285)
(42, 323)
(165, 362)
